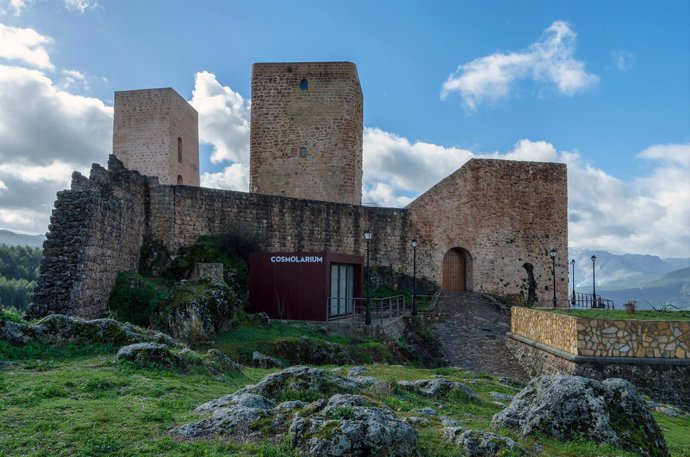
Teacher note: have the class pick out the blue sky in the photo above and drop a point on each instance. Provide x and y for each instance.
(603, 86)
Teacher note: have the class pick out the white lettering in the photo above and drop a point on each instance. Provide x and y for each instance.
(295, 259)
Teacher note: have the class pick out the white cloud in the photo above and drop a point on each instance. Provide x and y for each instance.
(383, 194)
(73, 79)
(678, 154)
(223, 119)
(13, 7)
(46, 132)
(623, 60)
(551, 59)
(26, 46)
(233, 177)
(80, 6)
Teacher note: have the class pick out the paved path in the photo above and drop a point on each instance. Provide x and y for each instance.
(471, 329)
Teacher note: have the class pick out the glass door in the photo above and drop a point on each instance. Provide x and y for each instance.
(342, 289)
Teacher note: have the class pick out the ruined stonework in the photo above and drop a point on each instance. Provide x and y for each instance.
(155, 131)
(100, 224)
(306, 131)
(96, 230)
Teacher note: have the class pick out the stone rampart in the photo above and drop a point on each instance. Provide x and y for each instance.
(99, 226)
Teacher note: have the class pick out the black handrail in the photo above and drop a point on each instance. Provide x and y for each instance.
(582, 300)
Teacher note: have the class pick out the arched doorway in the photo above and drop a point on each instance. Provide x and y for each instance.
(457, 270)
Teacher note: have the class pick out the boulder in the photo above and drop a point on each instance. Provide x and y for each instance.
(60, 329)
(439, 388)
(151, 355)
(219, 362)
(476, 443)
(336, 423)
(350, 425)
(312, 351)
(568, 407)
(260, 360)
(198, 311)
(260, 318)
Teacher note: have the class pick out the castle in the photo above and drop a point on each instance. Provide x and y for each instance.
(476, 228)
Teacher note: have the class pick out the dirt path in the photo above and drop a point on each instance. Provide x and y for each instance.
(471, 329)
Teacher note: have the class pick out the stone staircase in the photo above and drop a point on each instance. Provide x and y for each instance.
(472, 330)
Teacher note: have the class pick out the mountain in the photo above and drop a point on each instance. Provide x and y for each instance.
(20, 239)
(646, 279)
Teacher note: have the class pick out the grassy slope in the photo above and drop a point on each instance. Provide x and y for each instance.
(77, 402)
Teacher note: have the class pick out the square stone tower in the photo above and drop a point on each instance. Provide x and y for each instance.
(156, 132)
(306, 131)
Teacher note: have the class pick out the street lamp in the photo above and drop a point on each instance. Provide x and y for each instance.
(572, 300)
(553, 273)
(414, 276)
(594, 283)
(367, 315)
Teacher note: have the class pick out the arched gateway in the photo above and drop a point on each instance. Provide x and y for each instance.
(457, 270)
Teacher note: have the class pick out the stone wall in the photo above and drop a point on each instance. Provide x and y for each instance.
(555, 330)
(306, 131)
(604, 337)
(155, 131)
(504, 214)
(100, 224)
(664, 380)
(96, 231)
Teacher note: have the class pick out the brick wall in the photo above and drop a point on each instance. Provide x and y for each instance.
(325, 119)
(146, 127)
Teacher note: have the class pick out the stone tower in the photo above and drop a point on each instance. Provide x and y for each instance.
(156, 132)
(306, 131)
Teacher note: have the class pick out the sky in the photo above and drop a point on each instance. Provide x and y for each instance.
(603, 86)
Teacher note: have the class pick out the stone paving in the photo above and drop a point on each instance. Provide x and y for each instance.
(471, 328)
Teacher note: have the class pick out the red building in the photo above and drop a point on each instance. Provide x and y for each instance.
(314, 286)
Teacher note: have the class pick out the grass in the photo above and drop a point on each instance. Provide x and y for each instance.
(75, 401)
(240, 342)
(621, 314)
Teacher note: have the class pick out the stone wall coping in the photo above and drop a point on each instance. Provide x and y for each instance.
(609, 319)
(602, 360)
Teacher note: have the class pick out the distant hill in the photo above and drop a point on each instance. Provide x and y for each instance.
(643, 278)
(19, 239)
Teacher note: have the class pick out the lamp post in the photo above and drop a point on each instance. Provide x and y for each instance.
(553, 273)
(572, 300)
(367, 312)
(414, 276)
(594, 283)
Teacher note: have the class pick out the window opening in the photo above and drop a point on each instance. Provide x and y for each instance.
(179, 180)
(302, 152)
(304, 84)
(179, 149)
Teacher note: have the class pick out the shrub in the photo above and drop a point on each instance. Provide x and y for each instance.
(135, 297)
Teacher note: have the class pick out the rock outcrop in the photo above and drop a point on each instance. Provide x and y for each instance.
(61, 329)
(328, 419)
(148, 355)
(568, 407)
(439, 388)
(475, 443)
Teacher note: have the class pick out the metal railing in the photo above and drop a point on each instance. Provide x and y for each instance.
(354, 308)
(587, 301)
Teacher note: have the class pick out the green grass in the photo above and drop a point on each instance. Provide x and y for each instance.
(75, 403)
(621, 314)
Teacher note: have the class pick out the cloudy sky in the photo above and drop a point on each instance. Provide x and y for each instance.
(601, 86)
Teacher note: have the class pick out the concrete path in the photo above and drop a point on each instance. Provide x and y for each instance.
(471, 328)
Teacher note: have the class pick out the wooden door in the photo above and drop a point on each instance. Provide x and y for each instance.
(454, 270)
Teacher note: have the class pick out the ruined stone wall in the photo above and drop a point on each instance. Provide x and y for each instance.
(504, 213)
(306, 131)
(148, 128)
(96, 231)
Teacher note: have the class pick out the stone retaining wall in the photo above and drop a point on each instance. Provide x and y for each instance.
(604, 337)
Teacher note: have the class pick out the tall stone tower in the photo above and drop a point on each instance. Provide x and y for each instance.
(156, 132)
(306, 131)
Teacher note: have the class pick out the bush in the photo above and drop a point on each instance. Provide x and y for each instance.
(135, 297)
(11, 314)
